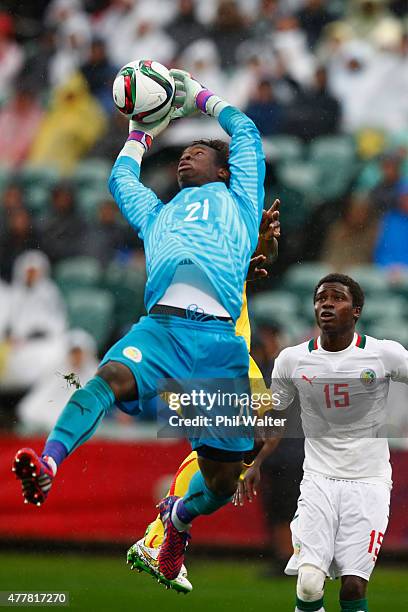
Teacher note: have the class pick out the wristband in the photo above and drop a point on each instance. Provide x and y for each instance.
(215, 105)
(201, 99)
(142, 137)
(246, 467)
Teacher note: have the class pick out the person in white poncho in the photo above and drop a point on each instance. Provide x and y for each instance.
(34, 322)
(39, 409)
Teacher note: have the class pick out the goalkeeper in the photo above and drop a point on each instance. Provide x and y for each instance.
(198, 249)
(143, 555)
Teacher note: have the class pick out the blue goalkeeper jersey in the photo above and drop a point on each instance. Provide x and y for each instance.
(213, 226)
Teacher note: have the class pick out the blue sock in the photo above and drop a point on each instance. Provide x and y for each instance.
(56, 450)
(199, 500)
(80, 418)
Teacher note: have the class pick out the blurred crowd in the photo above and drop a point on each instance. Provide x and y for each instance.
(326, 82)
(301, 67)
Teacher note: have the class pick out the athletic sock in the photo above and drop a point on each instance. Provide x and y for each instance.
(153, 537)
(54, 451)
(309, 606)
(79, 419)
(354, 605)
(198, 500)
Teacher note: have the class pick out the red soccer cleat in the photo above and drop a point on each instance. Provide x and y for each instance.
(36, 476)
(171, 556)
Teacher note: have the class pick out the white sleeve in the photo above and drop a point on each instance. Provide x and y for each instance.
(282, 385)
(395, 358)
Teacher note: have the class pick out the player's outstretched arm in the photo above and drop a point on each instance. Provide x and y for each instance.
(269, 232)
(246, 159)
(267, 249)
(136, 202)
(250, 478)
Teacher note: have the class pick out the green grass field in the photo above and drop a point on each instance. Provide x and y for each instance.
(106, 583)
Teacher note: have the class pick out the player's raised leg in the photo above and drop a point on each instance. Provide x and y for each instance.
(143, 555)
(76, 424)
(210, 489)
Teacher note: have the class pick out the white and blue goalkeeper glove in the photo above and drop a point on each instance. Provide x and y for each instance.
(145, 132)
(193, 96)
(141, 136)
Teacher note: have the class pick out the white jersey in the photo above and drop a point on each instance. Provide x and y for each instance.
(343, 397)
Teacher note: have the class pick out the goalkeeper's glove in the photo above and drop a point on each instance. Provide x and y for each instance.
(194, 96)
(145, 132)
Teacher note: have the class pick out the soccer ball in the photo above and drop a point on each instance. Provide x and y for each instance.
(144, 90)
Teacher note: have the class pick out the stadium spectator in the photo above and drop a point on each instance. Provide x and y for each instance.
(351, 77)
(109, 23)
(264, 110)
(228, 31)
(314, 111)
(20, 118)
(73, 38)
(273, 340)
(11, 199)
(138, 34)
(392, 246)
(185, 27)
(28, 16)
(390, 76)
(313, 17)
(202, 59)
(20, 235)
(63, 231)
(262, 26)
(151, 41)
(368, 17)
(384, 196)
(260, 40)
(359, 74)
(99, 74)
(350, 240)
(109, 238)
(35, 323)
(334, 37)
(36, 71)
(11, 56)
(39, 409)
(71, 125)
(110, 141)
(245, 78)
(290, 43)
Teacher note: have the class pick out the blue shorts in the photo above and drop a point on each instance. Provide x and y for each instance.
(162, 347)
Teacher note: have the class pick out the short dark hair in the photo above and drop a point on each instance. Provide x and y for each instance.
(356, 291)
(220, 147)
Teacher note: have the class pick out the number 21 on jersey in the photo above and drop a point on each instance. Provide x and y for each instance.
(197, 211)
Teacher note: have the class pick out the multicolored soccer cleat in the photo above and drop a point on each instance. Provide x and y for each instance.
(36, 475)
(171, 555)
(145, 559)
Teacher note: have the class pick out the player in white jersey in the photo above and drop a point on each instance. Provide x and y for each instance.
(342, 378)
